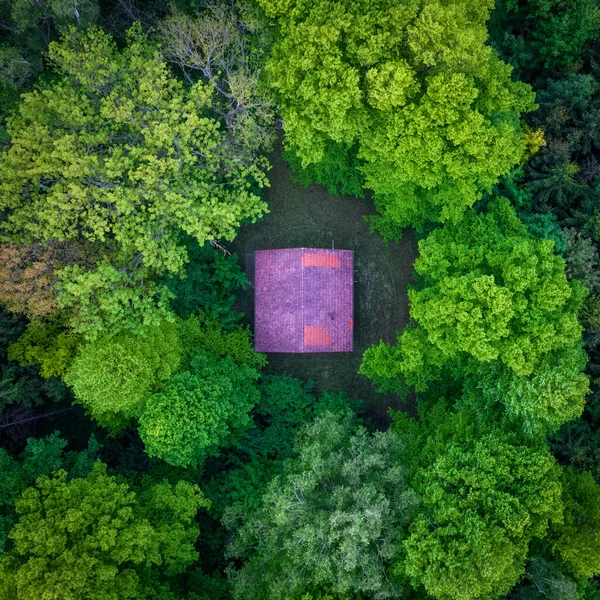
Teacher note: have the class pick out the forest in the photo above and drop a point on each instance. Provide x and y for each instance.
(147, 451)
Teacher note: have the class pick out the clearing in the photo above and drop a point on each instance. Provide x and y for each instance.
(313, 218)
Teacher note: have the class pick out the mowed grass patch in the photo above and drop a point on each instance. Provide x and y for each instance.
(311, 217)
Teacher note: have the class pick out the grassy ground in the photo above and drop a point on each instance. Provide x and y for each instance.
(311, 217)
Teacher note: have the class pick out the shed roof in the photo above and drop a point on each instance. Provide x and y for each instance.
(303, 300)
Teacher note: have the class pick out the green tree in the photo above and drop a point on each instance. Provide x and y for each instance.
(207, 285)
(227, 44)
(433, 110)
(576, 541)
(45, 344)
(40, 457)
(199, 410)
(484, 496)
(544, 580)
(20, 384)
(488, 292)
(331, 521)
(544, 34)
(97, 538)
(117, 152)
(112, 375)
(538, 403)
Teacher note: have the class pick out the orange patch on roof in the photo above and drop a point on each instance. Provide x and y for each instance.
(351, 324)
(316, 335)
(313, 259)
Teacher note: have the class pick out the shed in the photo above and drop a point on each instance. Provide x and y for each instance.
(304, 300)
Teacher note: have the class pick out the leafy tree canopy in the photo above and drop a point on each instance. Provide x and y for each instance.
(199, 410)
(112, 375)
(544, 34)
(331, 521)
(41, 457)
(118, 153)
(488, 292)
(95, 537)
(432, 108)
(485, 495)
(576, 541)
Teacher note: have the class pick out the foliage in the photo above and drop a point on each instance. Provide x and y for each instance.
(107, 300)
(208, 285)
(433, 110)
(198, 410)
(484, 496)
(338, 170)
(489, 292)
(95, 537)
(226, 43)
(210, 336)
(543, 579)
(40, 457)
(331, 521)
(28, 275)
(538, 403)
(117, 152)
(544, 34)
(576, 541)
(582, 259)
(112, 375)
(285, 408)
(27, 27)
(21, 386)
(45, 344)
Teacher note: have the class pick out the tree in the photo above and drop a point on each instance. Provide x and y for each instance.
(40, 457)
(286, 407)
(484, 496)
(545, 580)
(28, 275)
(21, 387)
(95, 537)
(208, 285)
(544, 34)
(27, 27)
(189, 384)
(226, 43)
(338, 170)
(433, 110)
(576, 541)
(488, 292)
(538, 403)
(331, 521)
(199, 410)
(45, 344)
(112, 376)
(116, 152)
(582, 259)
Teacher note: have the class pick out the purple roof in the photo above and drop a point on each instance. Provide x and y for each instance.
(303, 300)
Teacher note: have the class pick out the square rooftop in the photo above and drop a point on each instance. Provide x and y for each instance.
(304, 300)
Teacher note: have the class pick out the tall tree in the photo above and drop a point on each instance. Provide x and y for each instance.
(40, 457)
(95, 537)
(576, 541)
(199, 410)
(226, 43)
(484, 496)
(118, 153)
(331, 521)
(432, 108)
(491, 294)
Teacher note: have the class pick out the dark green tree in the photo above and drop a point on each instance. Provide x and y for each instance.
(331, 521)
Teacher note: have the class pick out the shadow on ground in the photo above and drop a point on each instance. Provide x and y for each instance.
(311, 217)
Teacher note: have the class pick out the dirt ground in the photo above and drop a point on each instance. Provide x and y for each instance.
(311, 217)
